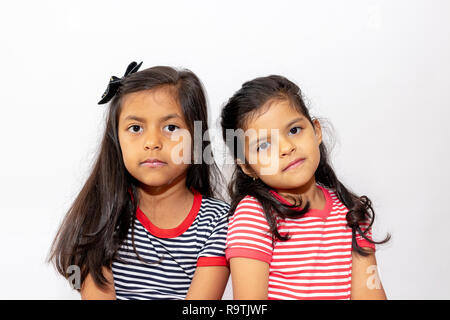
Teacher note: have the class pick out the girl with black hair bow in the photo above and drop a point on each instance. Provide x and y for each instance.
(146, 224)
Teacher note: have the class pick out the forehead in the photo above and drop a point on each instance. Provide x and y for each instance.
(151, 103)
(273, 114)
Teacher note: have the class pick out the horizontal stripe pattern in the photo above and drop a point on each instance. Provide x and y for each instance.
(315, 263)
(169, 264)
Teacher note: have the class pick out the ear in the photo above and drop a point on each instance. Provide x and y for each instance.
(247, 170)
(317, 130)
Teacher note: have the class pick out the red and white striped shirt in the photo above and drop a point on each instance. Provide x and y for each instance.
(315, 263)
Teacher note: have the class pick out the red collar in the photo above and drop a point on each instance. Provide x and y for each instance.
(320, 213)
(174, 232)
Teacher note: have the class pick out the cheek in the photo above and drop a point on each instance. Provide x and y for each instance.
(179, 152)
(315, 158)
(179, 142)
(310, 145)
(128, 151)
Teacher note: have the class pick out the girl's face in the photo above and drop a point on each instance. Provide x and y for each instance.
(282, 147)
(153, 136)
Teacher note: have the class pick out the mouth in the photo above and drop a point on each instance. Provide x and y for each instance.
(294, 164)
(153, 163)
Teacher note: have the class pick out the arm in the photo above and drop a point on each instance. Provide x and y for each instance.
(211, 275)
(208, 283)
(366, 284)
(250, 278)
(249, 251)
(90, 291)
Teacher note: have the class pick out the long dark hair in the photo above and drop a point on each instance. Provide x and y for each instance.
(104, 210)
(252, 96)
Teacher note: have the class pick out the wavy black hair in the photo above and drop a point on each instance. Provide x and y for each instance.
(252, 96)
(105, 209)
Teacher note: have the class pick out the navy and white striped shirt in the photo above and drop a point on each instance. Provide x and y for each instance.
(171, 255)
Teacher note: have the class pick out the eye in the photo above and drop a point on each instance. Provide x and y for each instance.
(263, 146)
(295, 130)
(135, 128)
(171, 128)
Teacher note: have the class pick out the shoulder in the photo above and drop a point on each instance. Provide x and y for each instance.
(249, 204)
(335, 201)
(248, 227)
(214, 207)
(249, 210)
(214, 204)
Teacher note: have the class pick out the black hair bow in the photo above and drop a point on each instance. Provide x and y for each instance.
(114, 82)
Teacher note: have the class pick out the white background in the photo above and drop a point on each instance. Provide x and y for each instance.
(378, 71)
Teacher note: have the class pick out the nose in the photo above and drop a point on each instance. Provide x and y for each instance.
(153, 141)
(152, 146)
(286, 147)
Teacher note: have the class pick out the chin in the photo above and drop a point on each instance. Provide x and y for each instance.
(151, 180)
(293, 183)
(156, 179)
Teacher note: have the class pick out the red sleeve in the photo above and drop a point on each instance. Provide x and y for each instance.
(211, 262)
(249, 233)
(363, 242)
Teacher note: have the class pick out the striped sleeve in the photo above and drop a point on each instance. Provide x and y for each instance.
(213, 252)
(249, 233)
(363, 243)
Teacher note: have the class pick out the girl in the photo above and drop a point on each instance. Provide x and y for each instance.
(297, 232)
(145, 225)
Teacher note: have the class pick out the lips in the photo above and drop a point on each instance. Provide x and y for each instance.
(153, 163)
(295, 164)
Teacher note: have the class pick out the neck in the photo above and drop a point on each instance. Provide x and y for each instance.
(153, 197)
(308, 192)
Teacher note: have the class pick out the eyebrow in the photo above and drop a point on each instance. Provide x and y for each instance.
(294, 121)
(287, 126)
(136, 118)
(165, 118)
(170, 116)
